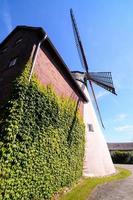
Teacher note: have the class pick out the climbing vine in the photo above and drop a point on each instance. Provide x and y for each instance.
(41, 142)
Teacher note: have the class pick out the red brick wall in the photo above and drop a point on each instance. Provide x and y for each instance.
(48, 73)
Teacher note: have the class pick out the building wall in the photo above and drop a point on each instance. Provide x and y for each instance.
(49, 74)
(22, 51)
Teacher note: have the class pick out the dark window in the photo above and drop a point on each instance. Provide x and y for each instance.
(12, 62)
(3, 50)
(1, 79)
(90, 128)
(18, 41)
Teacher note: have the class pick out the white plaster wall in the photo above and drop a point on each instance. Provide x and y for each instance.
(97, 160)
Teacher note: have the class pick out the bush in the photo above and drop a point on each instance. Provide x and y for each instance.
(41, 142)
(122, 157)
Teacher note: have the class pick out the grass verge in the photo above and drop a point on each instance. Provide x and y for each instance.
(82, 190)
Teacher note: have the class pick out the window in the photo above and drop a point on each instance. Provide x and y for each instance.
(3, 50)
(18, 41)
(90, 128)
(1, 79)
(13, 62)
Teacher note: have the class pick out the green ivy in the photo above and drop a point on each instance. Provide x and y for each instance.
(41, 142)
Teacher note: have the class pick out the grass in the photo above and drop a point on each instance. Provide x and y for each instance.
(82, 190)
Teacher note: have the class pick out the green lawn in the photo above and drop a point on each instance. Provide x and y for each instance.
(83, 189)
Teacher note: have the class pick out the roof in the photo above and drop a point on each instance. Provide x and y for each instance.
(48, 44)
(39, 30)
(120, 146)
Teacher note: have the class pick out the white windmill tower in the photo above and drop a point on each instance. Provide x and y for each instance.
(97, 160)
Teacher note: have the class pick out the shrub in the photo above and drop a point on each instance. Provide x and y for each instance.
(41, 142)
(122, 157)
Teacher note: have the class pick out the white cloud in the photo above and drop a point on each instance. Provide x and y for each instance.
(120, 117)
(101, 94)
(125, 128)
(7, 16)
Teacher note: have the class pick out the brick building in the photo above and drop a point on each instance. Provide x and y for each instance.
(25, 43)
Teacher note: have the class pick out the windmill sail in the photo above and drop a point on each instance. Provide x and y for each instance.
(83, 58)
(100, 117)
(103, 79)
(78, 42)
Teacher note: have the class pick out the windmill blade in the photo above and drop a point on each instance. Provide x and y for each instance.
(78, 42)
(98, 110)
(103, 79)
(83, 59)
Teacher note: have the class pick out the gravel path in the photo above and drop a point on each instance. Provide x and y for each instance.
(117, 190)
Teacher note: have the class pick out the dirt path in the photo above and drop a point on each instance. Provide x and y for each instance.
(118, 190)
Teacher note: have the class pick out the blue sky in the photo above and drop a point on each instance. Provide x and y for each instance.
(106, 29)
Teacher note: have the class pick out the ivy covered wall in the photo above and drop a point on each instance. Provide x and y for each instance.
(41, 142)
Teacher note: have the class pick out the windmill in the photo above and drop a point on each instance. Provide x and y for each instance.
(97, 159)
(102, 79)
